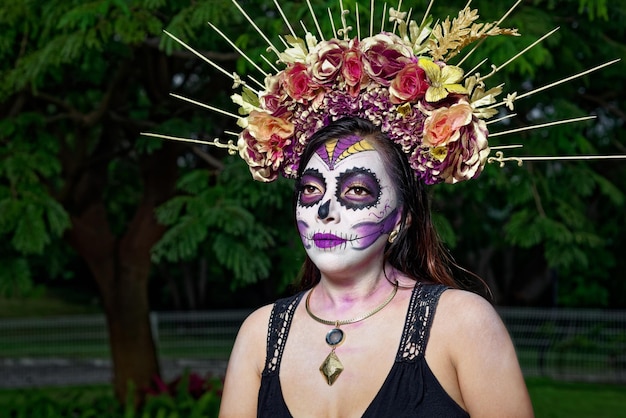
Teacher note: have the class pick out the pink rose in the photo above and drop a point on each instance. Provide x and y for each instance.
(443, 125)
(298, 83)
(326, 60)
(353, 72)
(409, 84)
(384, 55)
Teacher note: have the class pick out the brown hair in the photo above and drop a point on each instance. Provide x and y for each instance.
(417, 251)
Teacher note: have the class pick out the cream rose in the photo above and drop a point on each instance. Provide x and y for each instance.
(443, 125)
(326, 60)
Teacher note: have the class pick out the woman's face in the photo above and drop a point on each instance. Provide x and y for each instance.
(347, 204)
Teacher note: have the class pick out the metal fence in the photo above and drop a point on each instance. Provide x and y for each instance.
(585, 345)
(563, 344)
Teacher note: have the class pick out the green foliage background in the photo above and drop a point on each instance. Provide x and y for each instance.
(79, 75)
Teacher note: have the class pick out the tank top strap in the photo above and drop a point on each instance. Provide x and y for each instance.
(419, 319)
(278, 328)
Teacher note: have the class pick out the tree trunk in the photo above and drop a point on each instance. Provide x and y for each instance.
(126, 305)
(121, 268)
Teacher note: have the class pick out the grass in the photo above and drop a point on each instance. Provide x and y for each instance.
(48, 301)
(556, 399)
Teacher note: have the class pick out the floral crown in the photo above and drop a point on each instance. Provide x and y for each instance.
(399, 80)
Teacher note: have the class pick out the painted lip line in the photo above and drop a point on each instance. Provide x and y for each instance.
(327, 240)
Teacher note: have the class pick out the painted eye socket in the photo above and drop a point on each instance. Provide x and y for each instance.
(311, 188)
(358, 189)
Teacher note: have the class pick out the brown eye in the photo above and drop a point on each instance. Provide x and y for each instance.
(309, 189)
(357, 191)
(357, 194)
(312, 188)
(359, 188)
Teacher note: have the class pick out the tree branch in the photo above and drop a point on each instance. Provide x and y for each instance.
(211, 160)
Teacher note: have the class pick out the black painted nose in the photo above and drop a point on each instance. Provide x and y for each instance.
(322, 212)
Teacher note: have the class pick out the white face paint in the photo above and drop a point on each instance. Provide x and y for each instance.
(347, 205)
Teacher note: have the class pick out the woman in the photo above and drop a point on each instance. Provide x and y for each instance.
(382, 329)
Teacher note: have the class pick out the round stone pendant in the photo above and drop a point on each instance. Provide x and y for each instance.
(334, 337)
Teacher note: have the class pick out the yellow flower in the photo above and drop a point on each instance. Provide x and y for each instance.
(439, 153)
(442, 80)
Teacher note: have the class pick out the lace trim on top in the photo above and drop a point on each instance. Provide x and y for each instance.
(414, 336)
(280, 321)
(418, 321)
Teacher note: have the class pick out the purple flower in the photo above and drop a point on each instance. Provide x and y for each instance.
(384, 55)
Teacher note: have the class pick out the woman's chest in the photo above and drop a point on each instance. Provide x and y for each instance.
(357, 367)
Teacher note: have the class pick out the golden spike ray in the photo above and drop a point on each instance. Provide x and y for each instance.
(542, 125)
(495, 68)
(507, 147)
(509, 116)
(382, 23)
(215, 109)
(427, 12)
(236, 48)
(259, 31)
(264, 58)
(282, 14)
(556, 83)
(482, 40)
(476, 67)
(501, 159)
(332, 22)
(317, 25)
(205, 59)
(230, 146)
(395, 23)
(372, 18)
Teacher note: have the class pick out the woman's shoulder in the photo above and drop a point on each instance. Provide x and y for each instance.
(477, 345)
(255, 326)
(467, 310)
(256, 323)
(472, 330)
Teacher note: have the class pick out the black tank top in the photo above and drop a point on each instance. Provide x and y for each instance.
(410, 389)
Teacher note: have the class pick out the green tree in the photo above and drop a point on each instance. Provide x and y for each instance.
(81, 80)
(551, 227)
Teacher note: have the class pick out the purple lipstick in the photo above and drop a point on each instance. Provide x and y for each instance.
(327, 240)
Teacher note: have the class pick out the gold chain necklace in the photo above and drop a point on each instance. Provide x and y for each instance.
(331, 368)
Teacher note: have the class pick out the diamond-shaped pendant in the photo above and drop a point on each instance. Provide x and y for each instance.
(331, 368)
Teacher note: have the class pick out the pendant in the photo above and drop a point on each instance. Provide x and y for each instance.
(331, 367)
(334, 337)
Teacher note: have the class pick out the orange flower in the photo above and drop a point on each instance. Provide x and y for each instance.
(265, 140)
(443, 124)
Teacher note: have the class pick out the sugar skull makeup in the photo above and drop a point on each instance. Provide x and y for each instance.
(346, 200)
